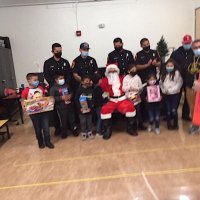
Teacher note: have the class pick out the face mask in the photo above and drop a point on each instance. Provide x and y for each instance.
(61, 82)
(152, 82)
(169, 69)
(132, 73)
(187, 46)
(118, 48)
(85, 54)
(35, 84)
(196, 52)
(58, 55)
(146, 48)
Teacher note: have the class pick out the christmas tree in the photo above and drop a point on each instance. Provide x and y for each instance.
(162, 48)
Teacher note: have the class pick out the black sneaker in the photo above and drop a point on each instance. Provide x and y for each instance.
(187, 118)
(142, 127)
(41, 146)
(50, 145)
(64, 136)
(57, 132)
(75, 132)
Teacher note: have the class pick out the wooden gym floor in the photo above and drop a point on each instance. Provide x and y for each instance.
(147, 167)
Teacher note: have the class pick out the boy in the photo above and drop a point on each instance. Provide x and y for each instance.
(84, 104)
(62, 94)
(40, 120)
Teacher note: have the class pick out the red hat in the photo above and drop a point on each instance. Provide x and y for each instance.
(111, 66)
(187, 39)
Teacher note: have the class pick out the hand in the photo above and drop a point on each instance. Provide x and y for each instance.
(196, 86)
(64, 98)
(154, 62)
(134, 89)
(149, 63)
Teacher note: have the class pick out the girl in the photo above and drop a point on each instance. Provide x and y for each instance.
(171, 83)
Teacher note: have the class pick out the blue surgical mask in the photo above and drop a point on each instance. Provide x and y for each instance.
(196, 52)
(85, 54)
(35, 83)
(61, 82)
(169, 69)
(187, 46)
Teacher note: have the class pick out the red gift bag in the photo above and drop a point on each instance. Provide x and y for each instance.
(196, 115)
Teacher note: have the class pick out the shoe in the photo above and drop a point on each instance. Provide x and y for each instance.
(41, 146)
(50, 145)
(193, 130)
(169, 125)
(150, 128)
(107, 130)
(187, 118)
(83, 136)
(64, 136)
(90, 135)
(142, 127)
(157, 131)
(99, 134)
(57, 132)
(132, 126)
(75, 132)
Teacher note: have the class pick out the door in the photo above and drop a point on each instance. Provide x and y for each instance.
(197, 23)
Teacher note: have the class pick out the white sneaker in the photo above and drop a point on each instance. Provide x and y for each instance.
(157, 131)
(150, 128)
(84, 136)
(90, 135)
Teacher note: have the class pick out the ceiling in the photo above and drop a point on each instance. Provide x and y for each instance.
(9, 3)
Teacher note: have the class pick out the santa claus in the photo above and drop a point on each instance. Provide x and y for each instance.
(112, 84)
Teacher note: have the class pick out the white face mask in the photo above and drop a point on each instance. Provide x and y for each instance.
(152, 82)
(196, 52)
(61, 82)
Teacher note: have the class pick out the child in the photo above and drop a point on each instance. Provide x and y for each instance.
(153, 98)
(84, 104)
(171, 83)
(40, 120)
(98, 101)
(132, 86)
(62, 94)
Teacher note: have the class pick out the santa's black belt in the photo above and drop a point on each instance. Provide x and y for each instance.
(117, 97)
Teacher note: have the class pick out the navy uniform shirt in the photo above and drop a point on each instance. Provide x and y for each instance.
(84, 66)
(183, 58)
(123, 59)
(143, 58)
(51, 67)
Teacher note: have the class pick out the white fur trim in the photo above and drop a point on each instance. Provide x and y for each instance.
(111, 66)
(131, 114)
(106, 116)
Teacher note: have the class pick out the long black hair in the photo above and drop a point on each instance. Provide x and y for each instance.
(164, 71)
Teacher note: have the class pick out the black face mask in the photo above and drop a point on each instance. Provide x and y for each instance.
(132, 73)
(58, 55)
(118, 48)
(146, 48)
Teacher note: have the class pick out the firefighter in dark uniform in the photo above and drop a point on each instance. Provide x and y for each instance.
(52, 66)
(181, 56)
(83, 65)
(147, 61)
(123, 58)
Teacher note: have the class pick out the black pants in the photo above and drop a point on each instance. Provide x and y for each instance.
(41, 126)
(185, 108)
(67, 118)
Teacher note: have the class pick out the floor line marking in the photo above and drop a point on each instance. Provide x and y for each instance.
(105, 155)
(100, 178)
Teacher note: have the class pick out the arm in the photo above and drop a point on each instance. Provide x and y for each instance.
(156, 62)
(144, 66)
(68, 75)
(96, 69)
(178, 80)
(46, 72)
(126, 86)
(53, 93)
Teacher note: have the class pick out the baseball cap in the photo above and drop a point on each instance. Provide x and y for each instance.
(187, 39)
(84, 46)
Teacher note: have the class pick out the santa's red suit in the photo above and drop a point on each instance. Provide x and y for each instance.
(112, 84)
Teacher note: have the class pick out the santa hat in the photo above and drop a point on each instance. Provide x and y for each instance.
(111, 66)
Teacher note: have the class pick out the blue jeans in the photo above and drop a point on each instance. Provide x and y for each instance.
(172, 103)
(41, 126)
(154, 115)
(99, 121)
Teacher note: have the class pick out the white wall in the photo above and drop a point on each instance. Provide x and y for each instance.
(33, 29)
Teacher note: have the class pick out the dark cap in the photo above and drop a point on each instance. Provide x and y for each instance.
(84, 46)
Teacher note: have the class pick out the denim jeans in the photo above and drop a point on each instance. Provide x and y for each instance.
(172, 103)
(154, 115)
(86, 122)
(41, 126)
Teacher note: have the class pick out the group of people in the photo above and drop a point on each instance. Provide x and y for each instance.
(137, 87)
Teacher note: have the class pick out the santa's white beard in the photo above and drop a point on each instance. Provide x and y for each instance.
(113, 79)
